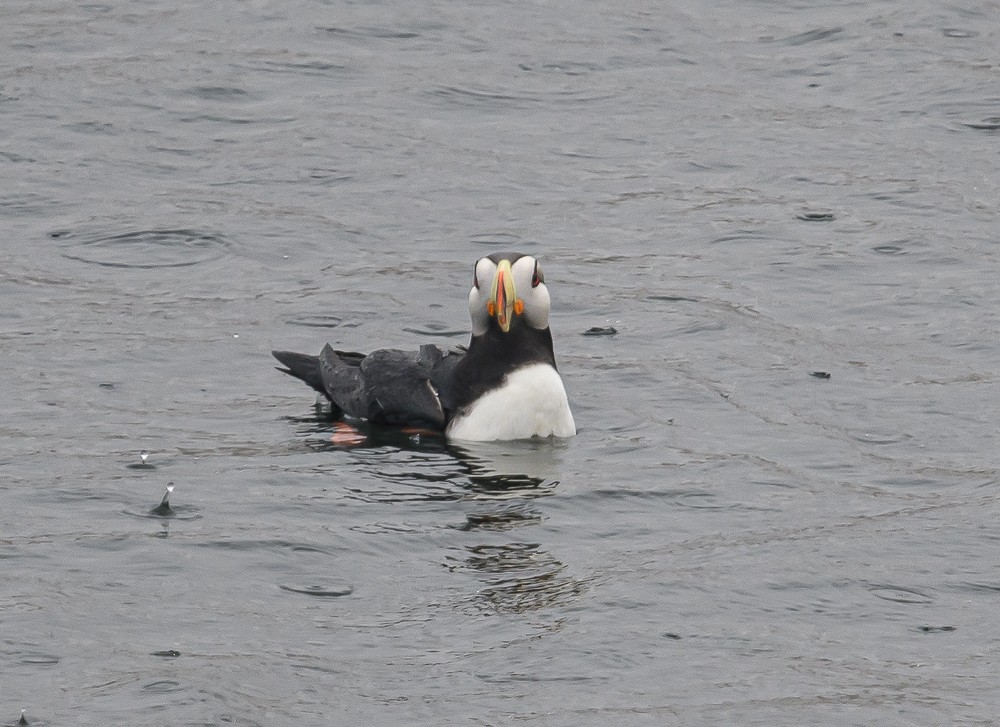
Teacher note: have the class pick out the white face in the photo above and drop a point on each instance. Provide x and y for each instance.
(529, 290)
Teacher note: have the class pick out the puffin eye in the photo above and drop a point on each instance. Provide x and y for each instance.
(537, 277)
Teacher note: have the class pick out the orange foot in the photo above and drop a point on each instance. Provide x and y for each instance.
(344, 435)
(418, 431)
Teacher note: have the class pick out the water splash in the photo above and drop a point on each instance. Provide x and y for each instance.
(164, 509)
(142, 464)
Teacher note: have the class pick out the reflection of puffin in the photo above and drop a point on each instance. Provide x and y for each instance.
(503, 386)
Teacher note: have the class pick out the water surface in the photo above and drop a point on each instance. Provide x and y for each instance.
(781, 506)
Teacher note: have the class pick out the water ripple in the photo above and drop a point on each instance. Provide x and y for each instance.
(314, 67)
(317, 320)
(568, 68)
(269, 544)
(503, 99)
(497, 239)
(35, 658)
(144, 249)
(816, 216)
(380, 32)
(27, 203)
(900, 594)
(959, 33)
(321, 591)
(217, 93)
(518, 578)
(163, 686)
(817, 35)
(503, 519)
(437, 329)
(990, 123)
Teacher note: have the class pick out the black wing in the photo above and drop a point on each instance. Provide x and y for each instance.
(388, 386)
(301, 366)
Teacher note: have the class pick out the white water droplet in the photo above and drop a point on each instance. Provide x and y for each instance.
(165, 500)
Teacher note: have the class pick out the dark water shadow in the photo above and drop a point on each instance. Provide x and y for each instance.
(500, 519)
(417, 465)
(498, 486)
(516, 577)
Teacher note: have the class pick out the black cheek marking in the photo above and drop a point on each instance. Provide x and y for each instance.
(536, 277)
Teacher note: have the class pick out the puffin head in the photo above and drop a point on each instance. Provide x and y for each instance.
(508, 290)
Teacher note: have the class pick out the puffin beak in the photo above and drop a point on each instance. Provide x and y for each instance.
(502, 303)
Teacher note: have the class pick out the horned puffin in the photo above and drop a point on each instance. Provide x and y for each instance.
(503, 386)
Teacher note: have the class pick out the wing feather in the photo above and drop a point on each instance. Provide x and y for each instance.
(387, 386)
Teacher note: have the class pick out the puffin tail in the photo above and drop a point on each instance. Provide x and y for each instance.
(301, 366)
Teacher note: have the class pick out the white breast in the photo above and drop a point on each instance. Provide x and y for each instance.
(531, 403)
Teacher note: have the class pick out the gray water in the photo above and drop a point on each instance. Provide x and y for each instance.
(754, 195)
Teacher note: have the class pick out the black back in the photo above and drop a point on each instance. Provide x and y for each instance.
(387, 386)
